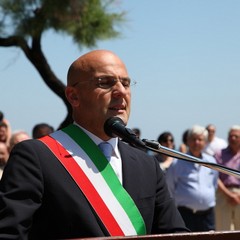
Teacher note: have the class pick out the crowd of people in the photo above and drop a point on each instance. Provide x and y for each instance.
(201, 193)
(81, 182)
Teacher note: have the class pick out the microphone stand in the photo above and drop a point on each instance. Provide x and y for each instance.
(156, 147)
(115, 127)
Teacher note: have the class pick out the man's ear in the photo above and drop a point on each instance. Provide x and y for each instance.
(72, 96)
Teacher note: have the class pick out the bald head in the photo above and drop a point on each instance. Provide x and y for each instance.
(87, 64)
(98, 88)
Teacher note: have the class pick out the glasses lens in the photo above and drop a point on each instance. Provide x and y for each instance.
(106, 82)
(126, 82)
(109, 81)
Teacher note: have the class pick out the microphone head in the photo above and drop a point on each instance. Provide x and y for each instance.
(109, 124)
(115, 127)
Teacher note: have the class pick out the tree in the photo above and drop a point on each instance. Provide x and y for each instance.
(23, 22)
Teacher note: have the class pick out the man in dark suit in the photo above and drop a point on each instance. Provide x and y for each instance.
(62, 186)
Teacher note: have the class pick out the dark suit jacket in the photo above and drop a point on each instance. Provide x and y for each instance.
(40, 200)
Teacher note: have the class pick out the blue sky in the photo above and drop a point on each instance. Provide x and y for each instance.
(184, 54)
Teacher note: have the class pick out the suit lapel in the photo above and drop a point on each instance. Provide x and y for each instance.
(130, 168)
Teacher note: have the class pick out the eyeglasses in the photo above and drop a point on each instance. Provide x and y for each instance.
(107, 82)
(169, 140)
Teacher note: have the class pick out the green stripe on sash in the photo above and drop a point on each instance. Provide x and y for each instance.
(100, 161)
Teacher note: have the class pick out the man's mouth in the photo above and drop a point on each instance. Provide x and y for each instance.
(117, 108)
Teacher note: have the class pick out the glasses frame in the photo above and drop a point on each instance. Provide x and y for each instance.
(110, 82)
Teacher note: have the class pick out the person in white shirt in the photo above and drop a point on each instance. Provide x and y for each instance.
(214, 143)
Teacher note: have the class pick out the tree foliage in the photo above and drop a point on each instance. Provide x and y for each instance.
(23, 23)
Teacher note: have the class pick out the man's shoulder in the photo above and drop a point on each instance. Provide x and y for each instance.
(134, 152)
(29, 143)
(127, 146)
(208, 158)
(30, 147)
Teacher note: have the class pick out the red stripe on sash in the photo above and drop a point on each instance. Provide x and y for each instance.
(85, 185)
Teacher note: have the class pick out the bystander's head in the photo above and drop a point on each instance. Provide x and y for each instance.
(17, 137)
(41, 129)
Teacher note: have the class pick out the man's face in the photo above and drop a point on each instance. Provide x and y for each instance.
(211, 132)
(96, 103)
(234, 139)
(169, 142)
(3, 134)
(196, 144)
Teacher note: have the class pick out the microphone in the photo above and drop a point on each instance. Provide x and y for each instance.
(115, 127)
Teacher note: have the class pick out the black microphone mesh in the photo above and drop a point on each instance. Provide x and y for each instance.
(110, 123)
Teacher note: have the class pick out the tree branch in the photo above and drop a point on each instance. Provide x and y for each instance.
(14, 41)
(37, 58)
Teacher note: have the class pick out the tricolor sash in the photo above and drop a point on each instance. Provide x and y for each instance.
(97, 180)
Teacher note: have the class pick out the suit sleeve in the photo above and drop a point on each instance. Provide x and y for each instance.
(21, 190)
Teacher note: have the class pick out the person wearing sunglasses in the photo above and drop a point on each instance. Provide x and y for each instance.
(166, 139)
(78, 182)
